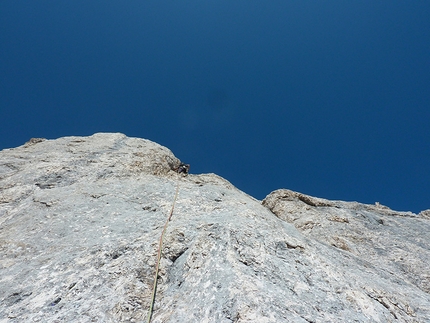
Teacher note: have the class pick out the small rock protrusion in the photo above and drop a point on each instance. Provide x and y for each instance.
(33, 141)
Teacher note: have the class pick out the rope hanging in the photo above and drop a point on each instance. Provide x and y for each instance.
(183, 168)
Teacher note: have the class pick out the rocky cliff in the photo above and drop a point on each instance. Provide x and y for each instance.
(80, 220)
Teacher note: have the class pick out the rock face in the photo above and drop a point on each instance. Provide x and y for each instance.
(80, 220)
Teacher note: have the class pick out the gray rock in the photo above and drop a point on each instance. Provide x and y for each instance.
(80, 220)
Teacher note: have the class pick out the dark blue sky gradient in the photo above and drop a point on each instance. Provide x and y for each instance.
(329, 98)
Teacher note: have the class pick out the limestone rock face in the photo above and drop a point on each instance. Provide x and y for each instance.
(81, 217)
(397, 242)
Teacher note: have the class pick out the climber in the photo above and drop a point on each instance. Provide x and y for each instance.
(183, 168)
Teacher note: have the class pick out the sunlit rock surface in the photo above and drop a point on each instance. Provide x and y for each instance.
(80, 220)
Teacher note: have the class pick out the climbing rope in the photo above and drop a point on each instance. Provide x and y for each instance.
(183, 168)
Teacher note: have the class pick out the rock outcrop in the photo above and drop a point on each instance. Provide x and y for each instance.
(80, 220)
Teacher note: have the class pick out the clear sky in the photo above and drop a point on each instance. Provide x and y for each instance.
(328, 98)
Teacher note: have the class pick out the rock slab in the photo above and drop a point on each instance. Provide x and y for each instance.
(80, 219)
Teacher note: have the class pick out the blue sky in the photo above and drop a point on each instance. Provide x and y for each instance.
(329, 98)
